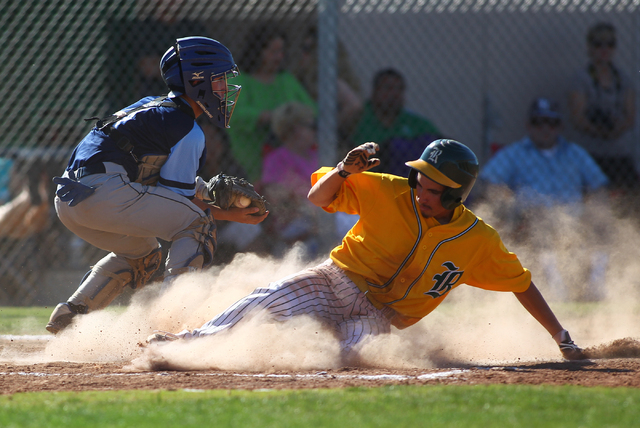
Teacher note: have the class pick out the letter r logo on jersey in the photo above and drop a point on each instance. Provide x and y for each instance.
(445, 280)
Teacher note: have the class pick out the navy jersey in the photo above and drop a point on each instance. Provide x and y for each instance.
(158, 130)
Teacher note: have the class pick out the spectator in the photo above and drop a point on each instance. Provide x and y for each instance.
(6, 165)
(266, 85)
(541, 171)
(28, 213)
(24, 219)
(305, 69)
(143, 37)
(285, 178)
(400, 132)
(602, 108)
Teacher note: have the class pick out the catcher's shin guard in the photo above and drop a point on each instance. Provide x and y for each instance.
(183, 258)
(102, 284)
(145, 268)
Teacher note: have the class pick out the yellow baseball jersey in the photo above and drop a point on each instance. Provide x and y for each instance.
(411, 263)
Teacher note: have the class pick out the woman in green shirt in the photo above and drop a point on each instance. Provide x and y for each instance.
(265, 86)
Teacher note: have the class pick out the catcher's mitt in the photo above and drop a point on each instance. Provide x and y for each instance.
(226, 190)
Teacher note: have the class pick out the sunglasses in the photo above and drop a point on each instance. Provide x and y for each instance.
(603, 43)
(541, 121)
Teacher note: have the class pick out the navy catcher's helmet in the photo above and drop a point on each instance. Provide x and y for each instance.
(199, 67)
(451, 164)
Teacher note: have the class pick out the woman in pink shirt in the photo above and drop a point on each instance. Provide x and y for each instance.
(286, 173)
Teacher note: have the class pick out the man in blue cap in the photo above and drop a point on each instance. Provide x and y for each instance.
(540, 172)
(544, 167)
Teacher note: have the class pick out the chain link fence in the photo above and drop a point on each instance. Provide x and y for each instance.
(471, 68)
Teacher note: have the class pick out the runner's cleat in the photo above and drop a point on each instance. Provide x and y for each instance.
(161, 337)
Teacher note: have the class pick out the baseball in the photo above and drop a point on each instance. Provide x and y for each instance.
(242, 202)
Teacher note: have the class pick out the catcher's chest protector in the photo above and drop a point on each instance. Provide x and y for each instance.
(149, 165)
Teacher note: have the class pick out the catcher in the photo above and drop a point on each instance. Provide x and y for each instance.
(132, 180)
(414, 243)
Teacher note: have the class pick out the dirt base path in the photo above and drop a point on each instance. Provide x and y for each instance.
(609, 370)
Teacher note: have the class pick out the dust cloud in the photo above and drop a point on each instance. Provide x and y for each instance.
(471, 327)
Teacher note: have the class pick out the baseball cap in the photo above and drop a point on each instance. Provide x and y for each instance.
(544, 107)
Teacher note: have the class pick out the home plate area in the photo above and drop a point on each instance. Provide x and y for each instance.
(20, 371)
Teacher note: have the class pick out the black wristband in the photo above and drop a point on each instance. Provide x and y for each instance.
(341, 172)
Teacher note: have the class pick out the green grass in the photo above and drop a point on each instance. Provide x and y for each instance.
(394, 406)
(24, 320)
(30, 320)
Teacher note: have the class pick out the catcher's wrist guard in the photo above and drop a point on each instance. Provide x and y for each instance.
(202, 192)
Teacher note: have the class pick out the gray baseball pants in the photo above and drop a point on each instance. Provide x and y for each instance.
(125, 218)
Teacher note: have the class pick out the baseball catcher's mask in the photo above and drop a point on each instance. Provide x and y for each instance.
(200, 67)
(451, 164)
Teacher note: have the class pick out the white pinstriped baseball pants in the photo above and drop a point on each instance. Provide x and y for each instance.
(324, 292)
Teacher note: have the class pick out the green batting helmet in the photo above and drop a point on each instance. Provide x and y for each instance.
(451, 164)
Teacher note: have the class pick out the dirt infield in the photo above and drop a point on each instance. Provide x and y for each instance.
(609, 371)
(475, 338)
